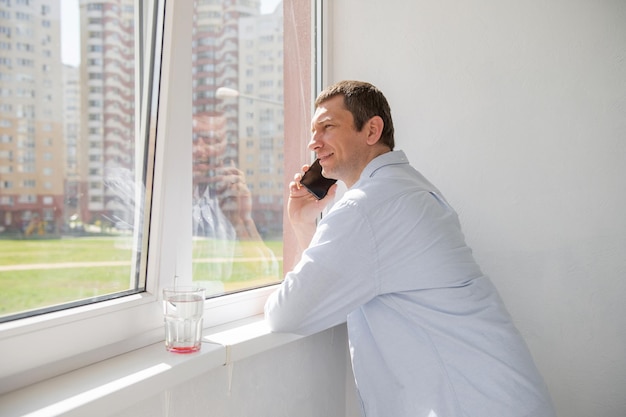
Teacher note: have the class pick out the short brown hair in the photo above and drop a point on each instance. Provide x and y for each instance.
(364, 101)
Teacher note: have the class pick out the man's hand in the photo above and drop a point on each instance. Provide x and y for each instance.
(304, 209)
(236, 201)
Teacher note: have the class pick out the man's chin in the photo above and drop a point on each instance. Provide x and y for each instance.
(328, 174)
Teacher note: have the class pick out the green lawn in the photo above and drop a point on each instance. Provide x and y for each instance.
(41, 273)
(19, 252)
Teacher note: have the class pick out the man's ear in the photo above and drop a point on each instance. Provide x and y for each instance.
(374, 128)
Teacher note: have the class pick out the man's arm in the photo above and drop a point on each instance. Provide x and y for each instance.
(337, 274)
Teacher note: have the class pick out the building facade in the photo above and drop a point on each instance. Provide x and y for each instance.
(32, 157)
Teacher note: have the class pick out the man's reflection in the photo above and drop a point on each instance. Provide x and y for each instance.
(222, 206)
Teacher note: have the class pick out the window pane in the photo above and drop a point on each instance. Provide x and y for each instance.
(71, 182)
(238, 144)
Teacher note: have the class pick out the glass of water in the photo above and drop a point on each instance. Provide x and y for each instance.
(183, 308)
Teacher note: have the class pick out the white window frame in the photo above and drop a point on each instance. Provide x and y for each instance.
(39, 347)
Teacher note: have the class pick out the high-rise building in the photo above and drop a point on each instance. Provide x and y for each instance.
(216, 61)
(261, 131)
(106, 162)
(31, 121)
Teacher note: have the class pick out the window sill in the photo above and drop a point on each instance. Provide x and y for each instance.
(117, 383)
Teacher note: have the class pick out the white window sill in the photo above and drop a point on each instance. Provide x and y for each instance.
(119, 382)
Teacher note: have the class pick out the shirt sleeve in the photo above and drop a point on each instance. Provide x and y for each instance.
(336, 275)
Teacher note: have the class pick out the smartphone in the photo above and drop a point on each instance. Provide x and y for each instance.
(315, 182)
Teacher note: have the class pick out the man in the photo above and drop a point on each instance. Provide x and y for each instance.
(428, 333)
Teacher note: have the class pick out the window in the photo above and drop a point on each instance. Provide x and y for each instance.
(60, 252)
(150, 119)
(61, 231)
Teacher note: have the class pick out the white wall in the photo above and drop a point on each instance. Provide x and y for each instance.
(305, 378)
(517, 111)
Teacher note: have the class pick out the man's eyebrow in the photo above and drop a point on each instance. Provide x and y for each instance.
(324, 119)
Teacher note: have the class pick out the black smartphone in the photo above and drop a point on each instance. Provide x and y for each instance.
(315, 182)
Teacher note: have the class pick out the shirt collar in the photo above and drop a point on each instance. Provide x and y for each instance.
(388, 158)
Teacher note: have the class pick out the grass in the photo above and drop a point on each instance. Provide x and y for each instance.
(41, 273)
(20, 252)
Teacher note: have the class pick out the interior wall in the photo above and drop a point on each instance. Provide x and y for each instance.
(517, 112)
(305, 378)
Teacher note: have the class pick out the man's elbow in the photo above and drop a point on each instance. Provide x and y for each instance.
(282, 322)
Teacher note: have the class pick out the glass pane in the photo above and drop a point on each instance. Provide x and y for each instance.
(71, 169)
(237, 144)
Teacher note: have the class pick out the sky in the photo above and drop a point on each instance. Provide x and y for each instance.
(70, 39)
(268, 6)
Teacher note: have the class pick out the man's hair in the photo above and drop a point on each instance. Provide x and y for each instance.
(364, 101)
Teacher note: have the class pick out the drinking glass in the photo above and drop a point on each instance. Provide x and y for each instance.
(183, 308)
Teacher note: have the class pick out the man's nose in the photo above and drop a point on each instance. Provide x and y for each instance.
(314, 143)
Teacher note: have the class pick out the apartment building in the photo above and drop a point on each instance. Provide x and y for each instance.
(32, 157)
(107, 73)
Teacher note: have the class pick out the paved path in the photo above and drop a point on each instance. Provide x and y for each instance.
(63, 265)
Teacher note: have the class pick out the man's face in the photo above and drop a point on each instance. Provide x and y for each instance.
(342, 150)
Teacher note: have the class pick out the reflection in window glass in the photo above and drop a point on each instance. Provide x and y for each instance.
(71, 182)
(237, 144)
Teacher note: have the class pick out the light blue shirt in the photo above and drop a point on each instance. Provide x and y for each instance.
(429, 335)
